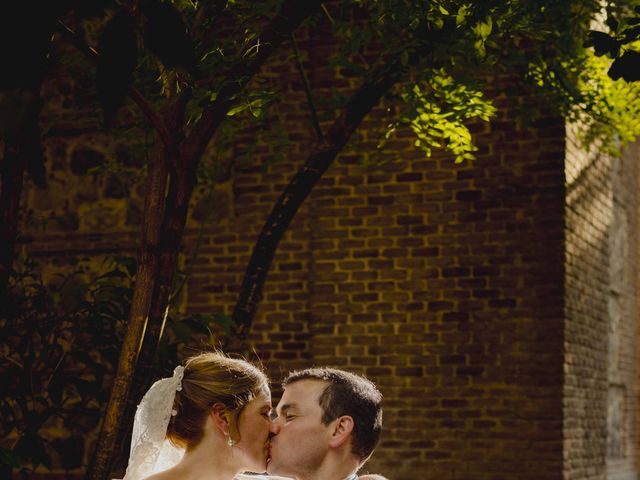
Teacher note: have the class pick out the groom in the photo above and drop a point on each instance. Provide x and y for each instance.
(327, 425)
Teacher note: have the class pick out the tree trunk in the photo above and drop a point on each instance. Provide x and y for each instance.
(297, 191)
(177, 205)
(292, 13)
(140, 304)
(181, 186)
(180, 190)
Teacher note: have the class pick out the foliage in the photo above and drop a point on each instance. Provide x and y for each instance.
(446, 53)
(613, 101)
(439, 113)
(59, 345)
(183, 45)
(59, 348)
(604, 107)
(619, 43)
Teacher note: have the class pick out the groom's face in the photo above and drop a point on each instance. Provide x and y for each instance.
(300, 440)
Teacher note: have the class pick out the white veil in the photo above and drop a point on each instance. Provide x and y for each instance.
(150, 451)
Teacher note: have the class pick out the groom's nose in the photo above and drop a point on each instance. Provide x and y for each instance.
(274, 427)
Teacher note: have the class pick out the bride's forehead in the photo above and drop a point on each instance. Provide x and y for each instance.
(265, 394)
(262, 399)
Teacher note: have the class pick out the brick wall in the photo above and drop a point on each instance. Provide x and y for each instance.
(442, 283)
(601, 326)
(445, 284)
(585, 394)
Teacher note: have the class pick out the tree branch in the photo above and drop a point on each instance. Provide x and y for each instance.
(292, 13)
(213, 9)
(369, 94)
(307, 88)
(134, 93)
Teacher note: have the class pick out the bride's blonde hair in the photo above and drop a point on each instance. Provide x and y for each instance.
(211, 378)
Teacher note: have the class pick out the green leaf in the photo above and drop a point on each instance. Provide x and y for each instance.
(484, 28)
(182, 331)
(602, 43)
(404, 57)
(463, 13)
(631, 34)
(237, 109)
(224, 321)
(626, 67)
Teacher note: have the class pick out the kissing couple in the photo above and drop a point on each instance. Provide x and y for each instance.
(213, 420)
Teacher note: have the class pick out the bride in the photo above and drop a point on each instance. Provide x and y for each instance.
(210, 420)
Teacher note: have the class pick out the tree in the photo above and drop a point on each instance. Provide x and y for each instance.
(429, 65)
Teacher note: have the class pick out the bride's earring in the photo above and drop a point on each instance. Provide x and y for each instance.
(229, 440)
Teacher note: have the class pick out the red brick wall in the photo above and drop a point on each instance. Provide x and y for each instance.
(444, 284)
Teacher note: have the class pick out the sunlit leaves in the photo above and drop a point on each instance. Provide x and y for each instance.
(255, 103)
(606, 112)
(439, 111)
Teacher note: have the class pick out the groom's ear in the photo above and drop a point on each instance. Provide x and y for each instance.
(343, 428)
(220, 417)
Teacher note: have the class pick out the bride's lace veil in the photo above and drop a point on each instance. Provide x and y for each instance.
(209, 378)
(150, 451)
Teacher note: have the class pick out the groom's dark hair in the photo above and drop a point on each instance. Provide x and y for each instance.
(352, 395)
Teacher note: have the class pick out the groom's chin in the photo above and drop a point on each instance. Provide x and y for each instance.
(271, 468)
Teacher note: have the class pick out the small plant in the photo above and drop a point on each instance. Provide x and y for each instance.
(60, 342)
(59, 345)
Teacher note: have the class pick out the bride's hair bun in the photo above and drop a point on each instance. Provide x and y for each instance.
(211, 378)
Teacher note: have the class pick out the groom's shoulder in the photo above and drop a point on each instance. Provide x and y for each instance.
(247, 476)
(244, 476)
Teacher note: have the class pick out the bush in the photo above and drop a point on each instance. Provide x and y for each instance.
(59, 348)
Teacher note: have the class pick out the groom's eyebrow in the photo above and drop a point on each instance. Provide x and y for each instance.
(287, 406)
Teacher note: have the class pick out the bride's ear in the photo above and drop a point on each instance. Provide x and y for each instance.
(342, 431)
(219, 415)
